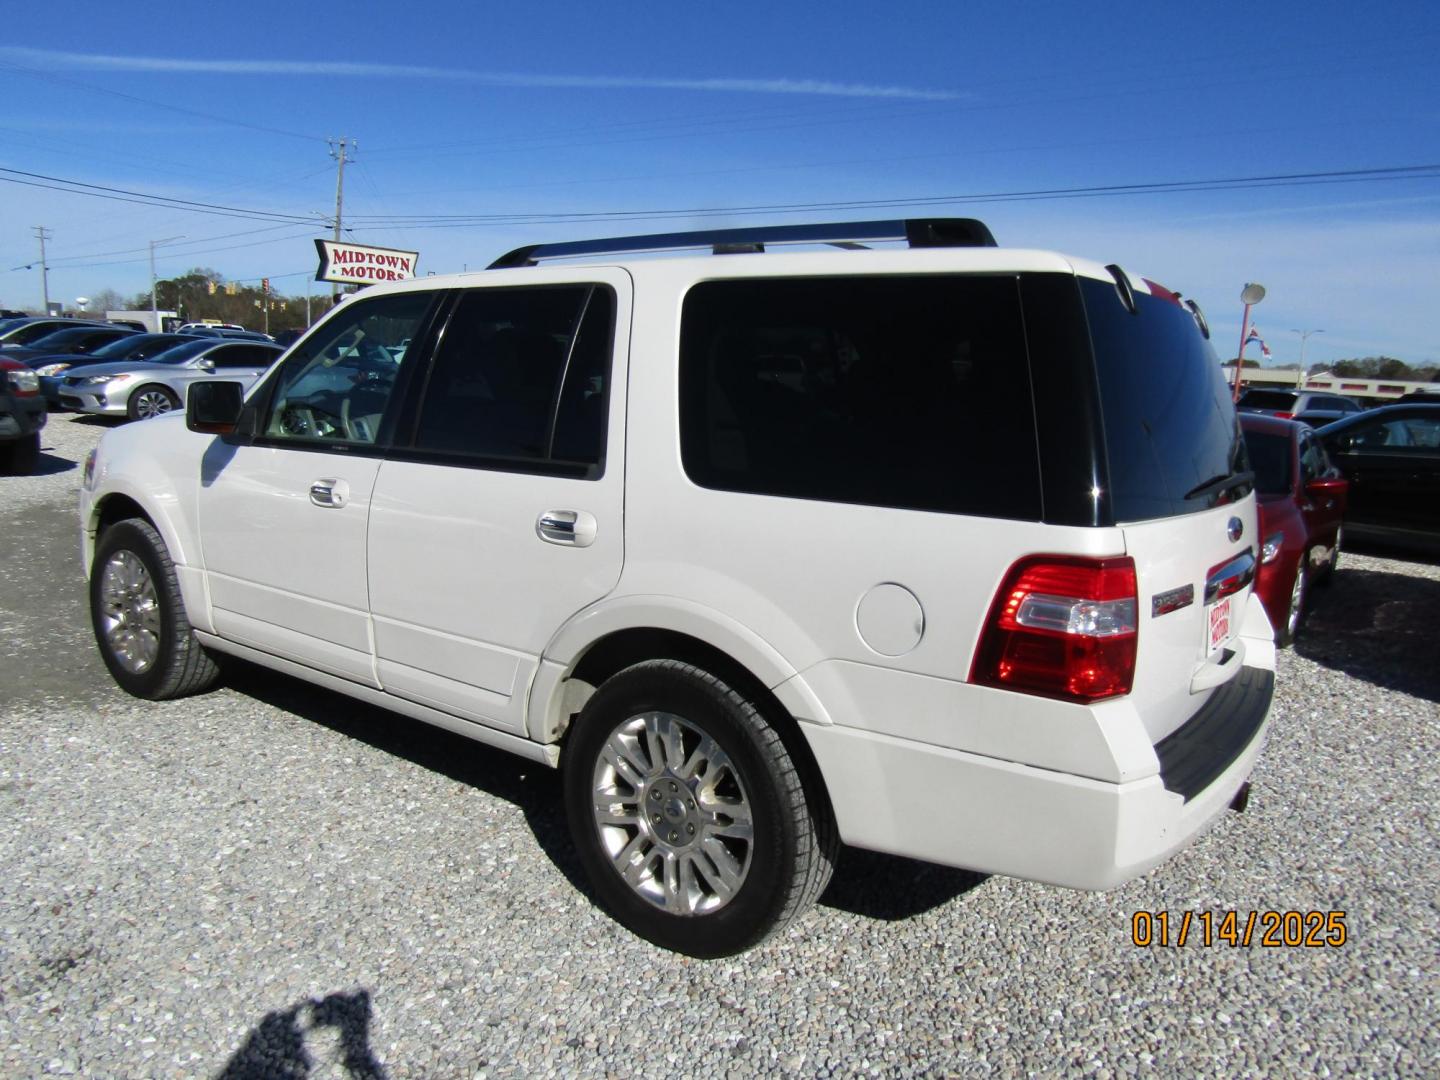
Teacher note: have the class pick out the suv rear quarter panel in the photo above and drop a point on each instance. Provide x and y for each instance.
(796, 571)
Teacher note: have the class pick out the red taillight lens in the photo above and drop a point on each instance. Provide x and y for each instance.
(1284, 416)
(1062, 627)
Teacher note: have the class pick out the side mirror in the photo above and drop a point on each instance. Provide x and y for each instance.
(206, 365)
(213, 408)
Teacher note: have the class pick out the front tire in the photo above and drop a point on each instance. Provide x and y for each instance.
(690, 814)
(148, 401)
(140, 625)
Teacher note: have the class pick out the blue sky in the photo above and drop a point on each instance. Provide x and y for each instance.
(512, 116)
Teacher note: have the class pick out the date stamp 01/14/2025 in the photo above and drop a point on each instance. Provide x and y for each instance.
(1239, 929)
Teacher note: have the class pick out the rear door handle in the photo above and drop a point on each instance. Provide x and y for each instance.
(574, 528)
(329, 492)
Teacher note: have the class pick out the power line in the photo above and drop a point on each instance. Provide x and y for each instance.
(166, 201)
(1400, 172)
(173, 247)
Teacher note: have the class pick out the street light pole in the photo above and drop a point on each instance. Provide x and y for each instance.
(1304, 337)
(1251, 295)
(154, 305)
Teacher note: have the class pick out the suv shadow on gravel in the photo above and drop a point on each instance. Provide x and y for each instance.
(1377, 626)
(871, 884)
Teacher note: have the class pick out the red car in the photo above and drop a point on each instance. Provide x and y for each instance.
(1302, 497)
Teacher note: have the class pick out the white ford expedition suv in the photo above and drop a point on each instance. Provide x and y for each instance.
(942, 550)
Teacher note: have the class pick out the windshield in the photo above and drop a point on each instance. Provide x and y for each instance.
(1270, 458)
(62, 339)
(137, 347)
(25, 334)
(186, 350)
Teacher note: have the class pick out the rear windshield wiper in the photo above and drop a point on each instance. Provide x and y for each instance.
(1218, 484)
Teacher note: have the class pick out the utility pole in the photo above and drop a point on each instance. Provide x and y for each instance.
(340, 157)
(44, 234)
(1304, 337)
(154, 305)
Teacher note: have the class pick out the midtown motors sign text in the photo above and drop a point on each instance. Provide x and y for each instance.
(361, 264)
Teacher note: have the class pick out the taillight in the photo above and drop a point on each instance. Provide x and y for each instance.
(1284, 416)
(1062, 627)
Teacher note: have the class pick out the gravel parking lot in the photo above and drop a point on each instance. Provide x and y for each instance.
(271, 880)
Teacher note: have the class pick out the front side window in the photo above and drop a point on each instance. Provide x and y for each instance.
(520, 377)
(906, 392)
(1403, 434)
(1313, 461)
(338, 386)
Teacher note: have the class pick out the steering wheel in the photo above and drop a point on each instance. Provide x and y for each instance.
(297, 420)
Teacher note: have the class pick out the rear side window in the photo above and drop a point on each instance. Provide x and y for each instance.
(908, 392)
(1279, 400)
(1271, 459)
(1171, 434)
(520, 377)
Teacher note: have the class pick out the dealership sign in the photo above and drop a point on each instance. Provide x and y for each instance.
(359, 264)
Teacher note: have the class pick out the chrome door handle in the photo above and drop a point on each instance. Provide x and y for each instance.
(329, 493)
(575, 528)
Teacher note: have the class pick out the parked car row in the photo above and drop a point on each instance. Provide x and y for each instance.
(1374, 475)
(117, 371)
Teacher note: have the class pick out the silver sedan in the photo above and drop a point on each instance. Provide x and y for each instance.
(146, 388)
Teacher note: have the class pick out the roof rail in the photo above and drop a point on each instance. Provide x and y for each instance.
(919, 232)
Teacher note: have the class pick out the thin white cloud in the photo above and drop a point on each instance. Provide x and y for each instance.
(333, 68)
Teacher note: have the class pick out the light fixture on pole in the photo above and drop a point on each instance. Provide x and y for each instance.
(1251, 295)
(155, 307)
(1304, 337)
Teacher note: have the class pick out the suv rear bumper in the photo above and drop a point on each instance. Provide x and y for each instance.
(958, 809)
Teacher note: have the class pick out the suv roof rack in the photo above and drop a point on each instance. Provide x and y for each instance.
(919, 232)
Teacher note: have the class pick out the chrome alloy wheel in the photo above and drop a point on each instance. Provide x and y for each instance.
(672, 814)
(152, 403)
(130, 612)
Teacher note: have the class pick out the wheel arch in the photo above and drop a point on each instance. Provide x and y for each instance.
(119, 502)
(576, 663)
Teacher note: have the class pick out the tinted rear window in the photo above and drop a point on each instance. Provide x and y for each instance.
(1278, 400)
(1170, 427)
(908, 392)
(1270, 458)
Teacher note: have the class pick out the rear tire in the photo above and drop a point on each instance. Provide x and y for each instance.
(1299, 592)
(144, 635)
(1327, 574)
(149, 401)
(19, 457)
(689, 813)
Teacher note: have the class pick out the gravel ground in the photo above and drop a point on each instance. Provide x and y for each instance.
(274, 881)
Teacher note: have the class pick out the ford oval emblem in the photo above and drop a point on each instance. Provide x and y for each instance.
(1235, 529)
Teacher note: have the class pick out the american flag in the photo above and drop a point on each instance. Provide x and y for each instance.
(1255, 336)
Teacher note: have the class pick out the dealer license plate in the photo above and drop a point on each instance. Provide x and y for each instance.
(1220, 627)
